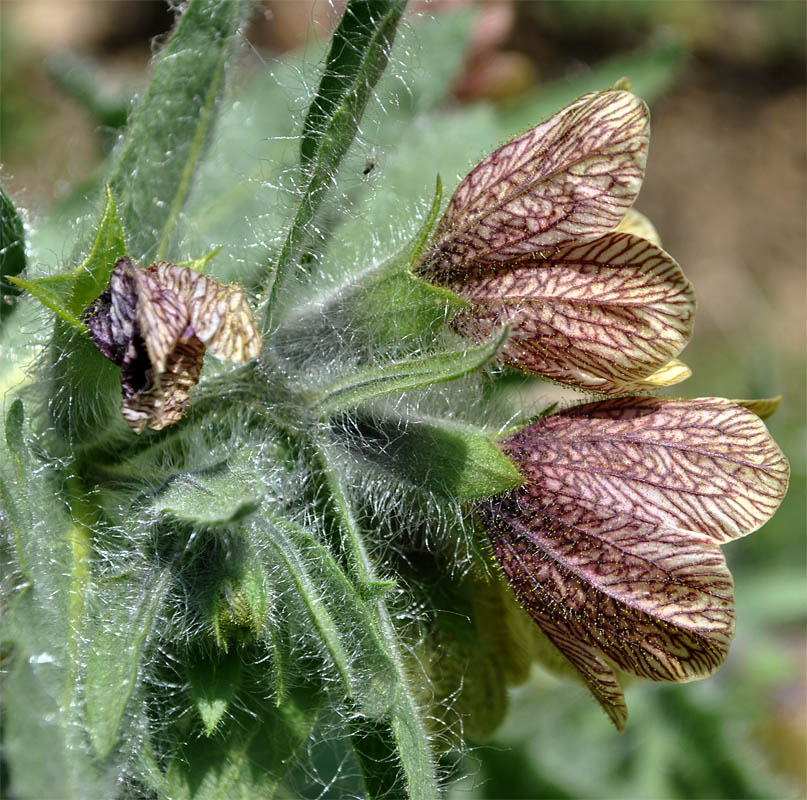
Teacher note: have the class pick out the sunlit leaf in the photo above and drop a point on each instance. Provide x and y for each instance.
(438, 456)
(358, 56)
(169, 129)
(373, 383)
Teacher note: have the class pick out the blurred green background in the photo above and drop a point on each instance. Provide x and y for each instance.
(727, 189)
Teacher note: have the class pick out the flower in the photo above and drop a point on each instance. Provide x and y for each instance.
(612, 542)
(538, 236)
(155, 323)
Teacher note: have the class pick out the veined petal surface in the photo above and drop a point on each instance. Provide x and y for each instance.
(703, 465)
(219, 314)
(612, 543)
(571, 178)
(603, 316)
(658, 603)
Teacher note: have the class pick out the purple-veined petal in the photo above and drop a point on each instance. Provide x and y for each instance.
(571, 178)
(658, 603)
(605, 316)
(612, 543)
(111, 317)
(162, 318)
(163, 400)
(219, 314)
(703, 465)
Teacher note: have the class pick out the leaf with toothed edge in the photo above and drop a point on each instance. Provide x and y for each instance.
(607, 316)
(570, 179)
(612, 543)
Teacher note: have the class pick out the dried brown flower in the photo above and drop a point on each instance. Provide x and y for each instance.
(156, 323)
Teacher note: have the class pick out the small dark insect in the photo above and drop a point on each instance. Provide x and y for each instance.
(369, 165)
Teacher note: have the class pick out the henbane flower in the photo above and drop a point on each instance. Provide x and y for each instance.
(612, 542)
(155, 323)
(536, 236)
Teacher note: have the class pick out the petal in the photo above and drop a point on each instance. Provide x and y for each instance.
(162, 318)
(607, 316)
(219, 314)
(111, 316)
(611, 544)
(703, 465)
(638, 224)
(657, 602)
(573, 177)
(162, 401)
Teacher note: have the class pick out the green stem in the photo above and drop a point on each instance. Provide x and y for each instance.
(409, 733)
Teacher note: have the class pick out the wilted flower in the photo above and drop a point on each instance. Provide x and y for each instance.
(155, 323)
(536, 236)
(612, 542)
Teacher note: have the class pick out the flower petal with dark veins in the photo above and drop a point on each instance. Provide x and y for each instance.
(570, 179)
(603, 316)
(111, 317)
(155, 324)
(703, 465)
(163, 402)
(162, 317)
(658, 603)
(219, 314)
(612, 543)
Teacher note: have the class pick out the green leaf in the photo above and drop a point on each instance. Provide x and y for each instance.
(12, 252)
(434, 49)
(68, 295)
(214, 497)
(358, 56)
(14, 500)
(248, 756)
(54, 293)
(411, 755)
(15, 417)
(213, 684)
(392, 306)
(169, 129)
(399, 376)
(341, 619)
(92, 276)
(116, 652)
(448, 458)
(200, 264)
